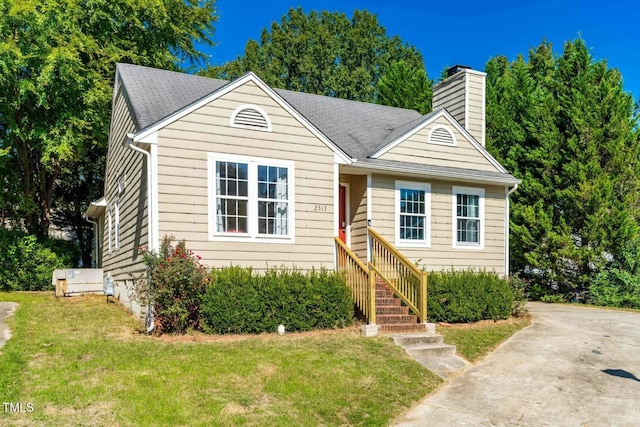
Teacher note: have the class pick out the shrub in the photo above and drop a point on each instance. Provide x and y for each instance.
(619, 285)
(27, 264)
(552, 298)
(468, 296)
(239, 301)
(176, 284)
(519, 287)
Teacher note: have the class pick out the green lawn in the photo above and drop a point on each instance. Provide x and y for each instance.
(474, 341)
(81, 361)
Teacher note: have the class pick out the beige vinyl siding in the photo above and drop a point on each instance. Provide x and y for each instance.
(417, 149)
(183, 202)
(476, 106)
(450, 95)
(441, 254)
(464, 90)
(124, 262)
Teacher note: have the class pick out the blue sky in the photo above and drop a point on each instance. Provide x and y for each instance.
(463, 32)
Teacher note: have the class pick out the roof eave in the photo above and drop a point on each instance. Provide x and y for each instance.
(96, 209)
(460, 176)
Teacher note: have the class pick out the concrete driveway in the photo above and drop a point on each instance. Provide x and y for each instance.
(574, 366)
(6, 310)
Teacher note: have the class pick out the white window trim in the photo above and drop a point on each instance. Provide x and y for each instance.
(117, 224)
(411, 185)
(264, 114)
(109, 229)
(252, 208)
(472, 191)
(448, 129)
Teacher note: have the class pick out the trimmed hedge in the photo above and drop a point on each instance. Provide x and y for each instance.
(468, 296)
(240, 301)
(27, 264)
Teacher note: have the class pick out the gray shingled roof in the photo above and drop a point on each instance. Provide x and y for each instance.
(440, 171)
(155, 94)
(357, 128)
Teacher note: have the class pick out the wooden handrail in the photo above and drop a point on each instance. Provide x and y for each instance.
(405, 279)
(359, 278)
(349, 252)
(394, 251)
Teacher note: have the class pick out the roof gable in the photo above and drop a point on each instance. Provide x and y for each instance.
(403, 133)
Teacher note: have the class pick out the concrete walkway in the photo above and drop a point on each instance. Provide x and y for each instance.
(574, 366)
(6, 310)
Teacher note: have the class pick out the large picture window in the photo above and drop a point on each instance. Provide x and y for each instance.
(250, 198)
(412, 213)
(468, 206)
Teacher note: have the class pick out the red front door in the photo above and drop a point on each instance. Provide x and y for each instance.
(342, 214)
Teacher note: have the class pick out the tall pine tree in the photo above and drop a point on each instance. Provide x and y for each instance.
(565, 126)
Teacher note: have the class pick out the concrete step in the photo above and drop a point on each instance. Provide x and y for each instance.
(423, 338)
(429, 349)
(386, 319)
(395, 309)
(446, 367)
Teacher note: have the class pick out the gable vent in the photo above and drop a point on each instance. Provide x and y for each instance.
(441, 135)
(251, 118)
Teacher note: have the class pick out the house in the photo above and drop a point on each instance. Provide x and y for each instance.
(256, 176)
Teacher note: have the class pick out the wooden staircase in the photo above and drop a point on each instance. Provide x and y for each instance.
(385, 289)
(391, 315)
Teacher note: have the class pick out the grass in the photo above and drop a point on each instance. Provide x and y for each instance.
(475, 340)
(81, 361)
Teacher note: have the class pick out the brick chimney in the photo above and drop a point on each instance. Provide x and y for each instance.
(462, 94)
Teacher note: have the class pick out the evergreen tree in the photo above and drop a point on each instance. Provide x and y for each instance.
(565, 126)
(405, 86)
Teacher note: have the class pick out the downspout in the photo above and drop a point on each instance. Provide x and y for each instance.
(149, 323)
(95, 241)
(150, 213)
(506, 227)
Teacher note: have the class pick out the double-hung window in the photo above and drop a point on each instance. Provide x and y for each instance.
(468, 212)
(250, 198)
(413, 200)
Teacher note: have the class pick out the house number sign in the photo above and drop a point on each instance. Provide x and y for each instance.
(319, 208)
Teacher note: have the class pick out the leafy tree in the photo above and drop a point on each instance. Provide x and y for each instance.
(57, 59)
(406, 86)
(322, 53)
(565, 126)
